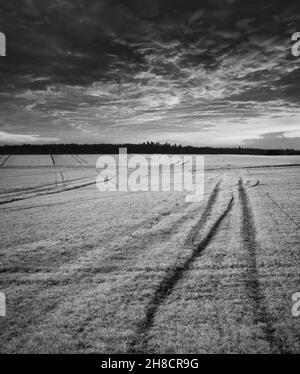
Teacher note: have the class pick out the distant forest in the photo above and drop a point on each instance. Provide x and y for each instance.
(143, 148)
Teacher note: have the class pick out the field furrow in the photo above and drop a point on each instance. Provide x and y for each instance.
(254, 289)
(117, 272)
(175, 274)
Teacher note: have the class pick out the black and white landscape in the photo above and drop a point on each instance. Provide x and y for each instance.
(90, 271)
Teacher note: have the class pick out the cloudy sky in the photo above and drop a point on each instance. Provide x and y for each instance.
(201, 72)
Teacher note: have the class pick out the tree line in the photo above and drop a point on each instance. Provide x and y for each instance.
(143, 148)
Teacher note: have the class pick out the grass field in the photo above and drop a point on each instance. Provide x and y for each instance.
(119, 272)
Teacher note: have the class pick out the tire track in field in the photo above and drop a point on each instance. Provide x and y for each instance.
(177, 224)
(41, 188)
(282, 210)
(76, 159)
(252, 167)
(156, 234)
(171, 279)
(253, 287)
(81, 159)
(5, 160)
(84, 274)
(255, 184)
(211, 202)
(63, 179)
(50, 193)
(47, 193)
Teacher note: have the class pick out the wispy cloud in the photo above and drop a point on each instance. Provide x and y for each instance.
(22, 138)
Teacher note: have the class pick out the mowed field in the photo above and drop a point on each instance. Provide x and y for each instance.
(86, 271)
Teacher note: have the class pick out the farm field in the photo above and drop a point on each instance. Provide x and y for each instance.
(86, 271)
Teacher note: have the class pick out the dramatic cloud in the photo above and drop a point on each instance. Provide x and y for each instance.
(210, 72)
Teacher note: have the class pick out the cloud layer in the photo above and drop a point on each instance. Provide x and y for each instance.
(217, 72)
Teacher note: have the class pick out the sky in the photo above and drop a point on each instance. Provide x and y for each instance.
(199, 72)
